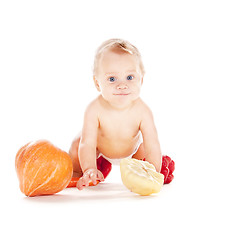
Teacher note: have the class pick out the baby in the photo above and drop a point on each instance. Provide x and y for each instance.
(117, 124)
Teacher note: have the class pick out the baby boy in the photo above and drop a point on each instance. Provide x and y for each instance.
(117, 124)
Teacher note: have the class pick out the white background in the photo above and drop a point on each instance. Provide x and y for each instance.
(46, 57)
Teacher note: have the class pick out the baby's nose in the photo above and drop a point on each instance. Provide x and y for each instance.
(122, 86)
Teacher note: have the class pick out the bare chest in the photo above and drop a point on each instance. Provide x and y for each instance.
(119, 126)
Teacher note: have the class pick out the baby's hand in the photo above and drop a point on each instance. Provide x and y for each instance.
(88, 176)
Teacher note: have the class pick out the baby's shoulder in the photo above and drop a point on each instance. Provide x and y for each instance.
(141, 106)
(93, 106)
(142, 110)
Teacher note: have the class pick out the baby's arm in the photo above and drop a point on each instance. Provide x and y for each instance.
(87, 148)
(150, 139)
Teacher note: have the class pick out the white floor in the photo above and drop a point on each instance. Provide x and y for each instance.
(191, 207)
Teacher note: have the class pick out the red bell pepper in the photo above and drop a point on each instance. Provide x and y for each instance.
(168, 166)
(104, 166)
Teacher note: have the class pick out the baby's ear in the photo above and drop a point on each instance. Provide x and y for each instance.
(96, 83)
(141, 80)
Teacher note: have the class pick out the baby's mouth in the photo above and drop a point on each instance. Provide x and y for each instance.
(121, 94)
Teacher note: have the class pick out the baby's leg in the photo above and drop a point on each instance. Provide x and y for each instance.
(140, 154)
(73, 152)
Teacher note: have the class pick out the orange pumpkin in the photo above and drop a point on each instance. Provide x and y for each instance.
(42, 168)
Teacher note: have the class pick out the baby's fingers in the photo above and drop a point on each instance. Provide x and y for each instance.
(83, 182)
(93, 178)
(80, 184)
(100, 176)
(86, 180)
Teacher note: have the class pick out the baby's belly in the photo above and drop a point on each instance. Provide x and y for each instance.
(118, 148)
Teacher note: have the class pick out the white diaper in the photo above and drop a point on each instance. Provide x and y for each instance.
(116, 161)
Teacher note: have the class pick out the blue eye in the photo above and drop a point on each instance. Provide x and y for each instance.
(130, 77)
(112, 79)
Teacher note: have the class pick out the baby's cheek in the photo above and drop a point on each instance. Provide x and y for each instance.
(136, 91)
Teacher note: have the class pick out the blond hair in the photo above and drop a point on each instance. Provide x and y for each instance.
(119, 44)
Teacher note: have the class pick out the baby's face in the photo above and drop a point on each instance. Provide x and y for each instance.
(118, 78)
